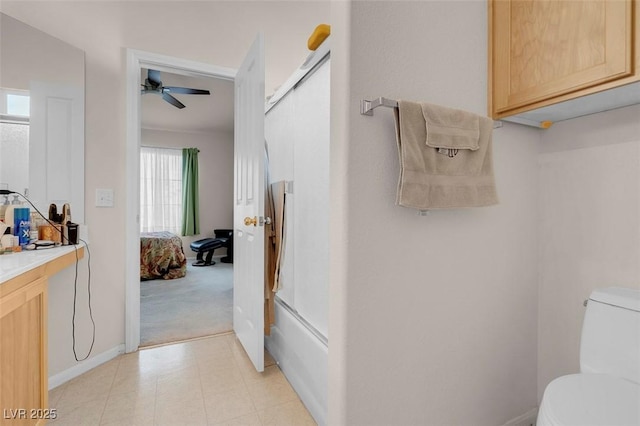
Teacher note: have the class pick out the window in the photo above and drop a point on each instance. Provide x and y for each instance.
(14, 103)
(160, 189)
(17, 104)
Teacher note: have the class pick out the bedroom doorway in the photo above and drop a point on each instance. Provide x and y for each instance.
(137, 62)
(178, 300)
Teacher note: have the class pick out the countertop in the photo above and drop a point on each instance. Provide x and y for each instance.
(15, 264)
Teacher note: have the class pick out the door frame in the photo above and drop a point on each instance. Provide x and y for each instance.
(136, 60)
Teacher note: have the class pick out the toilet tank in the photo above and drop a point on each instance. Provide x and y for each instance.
(610, 342)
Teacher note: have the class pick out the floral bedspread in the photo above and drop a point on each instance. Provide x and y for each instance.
(161, 256)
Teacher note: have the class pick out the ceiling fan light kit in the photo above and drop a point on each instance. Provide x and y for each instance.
(153, 84)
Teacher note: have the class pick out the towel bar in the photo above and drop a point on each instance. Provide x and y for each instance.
(367, 107)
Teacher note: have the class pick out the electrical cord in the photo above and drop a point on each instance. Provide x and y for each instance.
(75, 281)
(75, 290)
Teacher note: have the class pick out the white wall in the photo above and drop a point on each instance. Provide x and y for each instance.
(61, 293)
(433, 319)
(214, 32)
(589, 226)
(29, 54)
(215, 169)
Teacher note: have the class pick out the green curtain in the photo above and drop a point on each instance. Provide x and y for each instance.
(190, 203)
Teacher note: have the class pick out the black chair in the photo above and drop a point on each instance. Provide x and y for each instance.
(206, 247)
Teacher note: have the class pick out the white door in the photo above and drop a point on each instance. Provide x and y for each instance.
(56, 147)
(248, 221)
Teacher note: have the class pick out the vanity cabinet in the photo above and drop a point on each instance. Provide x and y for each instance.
(545, 52)
(23, 342)
(23, 352)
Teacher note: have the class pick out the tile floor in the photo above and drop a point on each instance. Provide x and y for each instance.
(208, 381)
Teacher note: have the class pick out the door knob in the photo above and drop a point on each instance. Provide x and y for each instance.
(251, 221)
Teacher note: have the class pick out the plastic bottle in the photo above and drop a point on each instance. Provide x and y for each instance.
(3, 207)
(36, 221)
(9, 217)
(22, 225)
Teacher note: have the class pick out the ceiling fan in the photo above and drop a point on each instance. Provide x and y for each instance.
(152, 84)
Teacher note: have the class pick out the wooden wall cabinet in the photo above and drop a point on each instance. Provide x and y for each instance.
(23, 343)
(542, 52)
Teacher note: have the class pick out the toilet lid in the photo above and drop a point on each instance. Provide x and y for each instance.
(591, 399)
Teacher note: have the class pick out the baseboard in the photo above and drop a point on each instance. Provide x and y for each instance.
(84, 366)
(527, 419)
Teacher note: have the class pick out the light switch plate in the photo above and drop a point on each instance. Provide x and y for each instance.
(104, 197)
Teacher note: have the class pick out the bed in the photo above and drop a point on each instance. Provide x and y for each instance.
(161, 256)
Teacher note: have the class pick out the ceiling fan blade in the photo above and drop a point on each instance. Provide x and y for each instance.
(186, 91)
(173, 101)
(154, 78)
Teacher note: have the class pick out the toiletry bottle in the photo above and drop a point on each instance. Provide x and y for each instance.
(22, 225)
(8, 216)
(36, 221)
(3, 207)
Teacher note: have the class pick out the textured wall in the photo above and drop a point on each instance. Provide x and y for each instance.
(435, 317)
(589, 226)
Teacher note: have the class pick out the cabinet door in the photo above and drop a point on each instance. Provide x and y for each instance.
(541, 49)
(23, 354)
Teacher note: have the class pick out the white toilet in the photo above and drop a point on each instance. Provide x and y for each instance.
(607, 390)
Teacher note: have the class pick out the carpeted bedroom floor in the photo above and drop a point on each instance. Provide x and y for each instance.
(199, 304)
